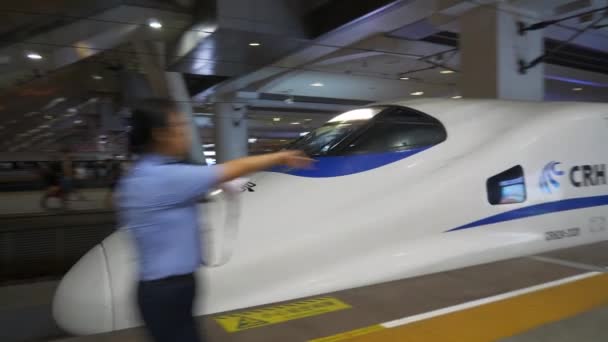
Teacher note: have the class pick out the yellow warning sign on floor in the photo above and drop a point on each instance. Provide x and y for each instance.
(276, 314)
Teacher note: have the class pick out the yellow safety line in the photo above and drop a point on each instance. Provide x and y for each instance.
(503, 318)
(350, 334)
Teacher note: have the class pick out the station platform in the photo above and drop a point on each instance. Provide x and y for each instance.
(28, 202)
(559, 296)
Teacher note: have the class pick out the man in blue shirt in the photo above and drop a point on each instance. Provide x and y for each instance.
(157, 204)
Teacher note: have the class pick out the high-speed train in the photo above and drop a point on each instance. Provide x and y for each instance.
(399, 189)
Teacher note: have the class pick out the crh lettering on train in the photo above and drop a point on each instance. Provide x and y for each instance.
(588, 175)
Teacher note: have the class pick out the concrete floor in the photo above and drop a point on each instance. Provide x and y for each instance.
(404, 298)
(25, 312)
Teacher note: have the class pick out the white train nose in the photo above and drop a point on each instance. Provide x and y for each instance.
(83, 300)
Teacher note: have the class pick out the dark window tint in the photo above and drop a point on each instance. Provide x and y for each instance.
(398, 129)
(322, 140)
(507, 187)
(407, 115)
(390, 136)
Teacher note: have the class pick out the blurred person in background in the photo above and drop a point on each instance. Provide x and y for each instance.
(50, 173)
(157, 205)
(67, 170)
(67, 180)
(114, 172)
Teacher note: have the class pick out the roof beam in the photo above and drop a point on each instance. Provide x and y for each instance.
(388, 19)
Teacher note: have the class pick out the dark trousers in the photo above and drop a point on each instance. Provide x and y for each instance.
(166, 308)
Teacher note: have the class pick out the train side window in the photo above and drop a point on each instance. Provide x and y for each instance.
(507, 187)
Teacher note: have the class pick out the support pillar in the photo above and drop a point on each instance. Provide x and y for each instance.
(170, 85)
(491, 49)
(178, 92)
(230, 121)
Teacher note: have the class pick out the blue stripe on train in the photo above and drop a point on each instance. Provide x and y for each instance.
(539, 209)
(326, 167)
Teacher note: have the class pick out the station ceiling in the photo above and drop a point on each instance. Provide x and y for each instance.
(296, 63)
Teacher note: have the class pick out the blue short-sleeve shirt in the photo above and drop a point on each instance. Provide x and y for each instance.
(157, 204)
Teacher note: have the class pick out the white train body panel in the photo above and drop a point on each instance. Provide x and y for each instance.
(298, 236)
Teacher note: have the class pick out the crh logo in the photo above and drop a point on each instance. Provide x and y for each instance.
(547, 177)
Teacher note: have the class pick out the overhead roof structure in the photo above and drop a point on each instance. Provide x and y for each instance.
(297, 60)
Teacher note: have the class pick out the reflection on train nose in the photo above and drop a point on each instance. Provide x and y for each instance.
(83, 300)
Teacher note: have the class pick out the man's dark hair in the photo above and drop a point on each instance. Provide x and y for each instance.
(148, 115)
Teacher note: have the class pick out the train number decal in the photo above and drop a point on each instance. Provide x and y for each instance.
(562, 234)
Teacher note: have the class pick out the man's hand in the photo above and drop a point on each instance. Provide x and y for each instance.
(244, 166)
(295, 159)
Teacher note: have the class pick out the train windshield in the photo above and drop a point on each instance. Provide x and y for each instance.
(324, 139)
(373, 130)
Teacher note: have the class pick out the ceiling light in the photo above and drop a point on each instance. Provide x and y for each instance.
(308, 120)
(209, 153)
(417, 93)
(48, 117)
(252, 140)
(446, 72)
(77, 122)
(304, 133)
(276, 119)
(317, 84)
(33, 55)
(457, 97)
(254, 44)
(155, 24)
(208, 145)
(44, 126)
(577, 89)
(404, 78)
(295, 123)
(97, 77)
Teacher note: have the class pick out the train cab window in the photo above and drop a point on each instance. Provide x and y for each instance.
(507, 187)
(323, 140)
(396, 136)
(398, 129)
(373, 130)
